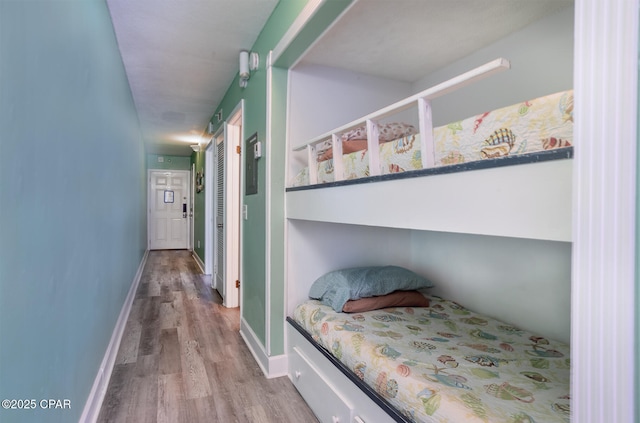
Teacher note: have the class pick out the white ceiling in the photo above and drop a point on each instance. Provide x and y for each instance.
(180, 58)
(406, 40)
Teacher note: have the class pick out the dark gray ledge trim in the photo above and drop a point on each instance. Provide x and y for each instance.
(541, 156)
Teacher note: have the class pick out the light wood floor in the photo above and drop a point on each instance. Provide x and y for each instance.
(182, 359)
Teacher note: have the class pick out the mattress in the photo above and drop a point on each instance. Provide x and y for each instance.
(444, 363)
(541, 124)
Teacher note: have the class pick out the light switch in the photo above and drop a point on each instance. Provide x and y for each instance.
(245, 212)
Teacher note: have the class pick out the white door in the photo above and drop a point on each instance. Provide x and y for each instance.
(209, 208)
(168, 209)
(219, 267)
(227, 214)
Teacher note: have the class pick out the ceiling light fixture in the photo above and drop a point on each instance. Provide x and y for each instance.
(249, 61)
(195, 147)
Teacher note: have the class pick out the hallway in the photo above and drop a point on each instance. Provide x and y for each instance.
(182, 358)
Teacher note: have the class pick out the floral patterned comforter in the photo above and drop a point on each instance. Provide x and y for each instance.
(445, 363)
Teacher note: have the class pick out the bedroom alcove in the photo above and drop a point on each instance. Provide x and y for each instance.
(350, 72)
(506, 260)
(521, 281)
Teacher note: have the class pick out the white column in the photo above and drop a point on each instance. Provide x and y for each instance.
(604, 363)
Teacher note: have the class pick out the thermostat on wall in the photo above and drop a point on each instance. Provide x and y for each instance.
(257, 150)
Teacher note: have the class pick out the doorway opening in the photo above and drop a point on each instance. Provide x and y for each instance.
(222, 209)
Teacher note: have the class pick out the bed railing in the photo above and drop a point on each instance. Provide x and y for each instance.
(421, 100)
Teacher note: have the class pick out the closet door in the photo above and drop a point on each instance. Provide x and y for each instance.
(227, 215)
(219, 268)
(231, 292)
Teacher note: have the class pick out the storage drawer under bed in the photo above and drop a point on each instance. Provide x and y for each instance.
(332, 396)
(322, 397)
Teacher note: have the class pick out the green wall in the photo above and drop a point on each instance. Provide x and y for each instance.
(254, 229)
(198, 209)
(73, 189)
(159, 161)
(254, 248)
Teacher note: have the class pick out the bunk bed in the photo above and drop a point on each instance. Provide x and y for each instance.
(533, 138)
(533, 130)
(441, 362)
(381, 174)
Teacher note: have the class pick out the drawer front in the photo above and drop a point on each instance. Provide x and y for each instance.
(322, 397)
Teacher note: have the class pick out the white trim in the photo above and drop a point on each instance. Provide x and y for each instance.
(301, 21)
(233, 138)
(287, 163)
(267, 150)
(192, 208)
(199, 261)
(241, 205)
(99, 389)
(603, 359)
(296, 27)
(271, 367)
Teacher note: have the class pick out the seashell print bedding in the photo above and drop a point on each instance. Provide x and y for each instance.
(444, 363)
(536, 125)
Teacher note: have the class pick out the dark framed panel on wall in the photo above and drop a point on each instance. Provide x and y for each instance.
(251, 165)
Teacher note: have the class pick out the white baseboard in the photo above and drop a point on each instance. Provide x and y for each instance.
(198, 260)
(271, 366)
(101, 382)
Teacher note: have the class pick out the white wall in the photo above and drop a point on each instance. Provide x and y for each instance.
(323, 98)
(520, 281)
(541, 57)
(315, 248)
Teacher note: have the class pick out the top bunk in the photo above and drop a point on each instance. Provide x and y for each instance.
(473, 154)
(425, 170)
(389, 144)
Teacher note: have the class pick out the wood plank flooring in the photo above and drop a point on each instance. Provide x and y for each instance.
(182, 359)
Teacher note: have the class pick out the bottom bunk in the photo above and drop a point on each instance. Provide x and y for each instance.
(441, 363)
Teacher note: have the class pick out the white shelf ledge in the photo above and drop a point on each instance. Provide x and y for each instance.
(523, 201)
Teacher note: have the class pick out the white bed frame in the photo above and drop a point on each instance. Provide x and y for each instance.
(421, 101)
(365, 220)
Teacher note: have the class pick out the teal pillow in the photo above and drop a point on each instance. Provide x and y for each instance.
(336, 288)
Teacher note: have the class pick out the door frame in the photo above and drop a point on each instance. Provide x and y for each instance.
(233, 220)
(188, 176)
(236, 118)
(192, 226)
